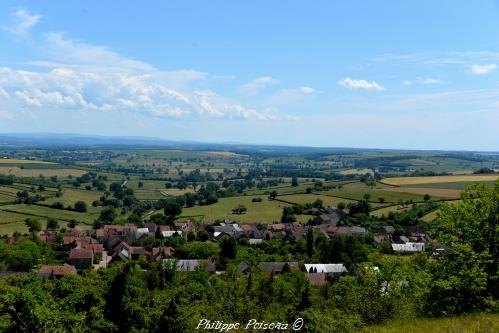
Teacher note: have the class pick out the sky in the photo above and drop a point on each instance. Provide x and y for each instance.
(368, 74)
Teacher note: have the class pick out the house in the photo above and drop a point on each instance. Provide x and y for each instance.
(159, 253)
(233, 230)
(81, 258)
(170, 233)
(316, 279)
(277, 227)
(404, 239)
(278, 267)
(189, 265)
(387, 230)
(329, 269)
(408, 247)
(56, 271)
(141, 232)
(243, 267)
(255, 241)
(125, 251)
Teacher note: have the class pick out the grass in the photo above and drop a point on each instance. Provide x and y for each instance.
(22, 161)
(11, 222)
(17, 171)
(46, 212)
(451, 185)
(386, 210)
(434, 192)
(399, 181)
(473, 323)
(357, 190)
(71, 195)
(307, 198)
(264, 211)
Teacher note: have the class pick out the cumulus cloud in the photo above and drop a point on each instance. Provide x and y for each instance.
(482, 69)
(407, 83)
(23, 21)
(258, 84)
(361, 84)
(68, 89)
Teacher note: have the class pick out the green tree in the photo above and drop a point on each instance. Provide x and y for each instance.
(273, 195)
(288, 215)
(33, 225)
(239, 209)
(52, 224)
(475, 223)
(294, 182)
(310, 242)
(107, 215)
(171, 210)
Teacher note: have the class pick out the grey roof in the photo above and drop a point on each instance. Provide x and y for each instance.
(277, 266)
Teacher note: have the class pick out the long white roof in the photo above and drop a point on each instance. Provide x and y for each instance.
(325, 268)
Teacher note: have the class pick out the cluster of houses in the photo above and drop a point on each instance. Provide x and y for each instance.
(98, 248)
(413, 243)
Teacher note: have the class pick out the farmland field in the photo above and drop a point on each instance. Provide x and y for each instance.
(308, 198)
(356, 191)
(47, 172)
(399, 181)
(46, 212)
(264, 211)
(71, 195)
(22, 161)
(436, 192)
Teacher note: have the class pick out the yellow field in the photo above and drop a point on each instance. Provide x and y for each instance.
(16, 171)
(398, 181)
(355, 171)
(18, 160)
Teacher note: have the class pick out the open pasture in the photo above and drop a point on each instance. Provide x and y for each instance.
(308, 198)
(47, 172)
(400, 181)
(72, 195)
(22, 161)
(264, 211)
(357, 191)
(434, 192)
(46, 212)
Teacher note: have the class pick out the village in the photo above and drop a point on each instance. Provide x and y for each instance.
(98, 248)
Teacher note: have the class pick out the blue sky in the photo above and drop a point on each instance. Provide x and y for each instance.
(387, 74)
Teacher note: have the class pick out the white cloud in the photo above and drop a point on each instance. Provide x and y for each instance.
(308, 90)
(258, 84)
(430, 81)
(23, 22)
(482, 69)
(407, 83)
(361, 84)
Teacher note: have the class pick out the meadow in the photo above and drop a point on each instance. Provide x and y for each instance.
(264, 211)
(471, 323)
(399, 181)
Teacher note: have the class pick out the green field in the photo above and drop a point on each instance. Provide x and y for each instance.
(308, 198)
(357, 190)
(264, 211)
(45, 212)
(473, 323)
(71, 195)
